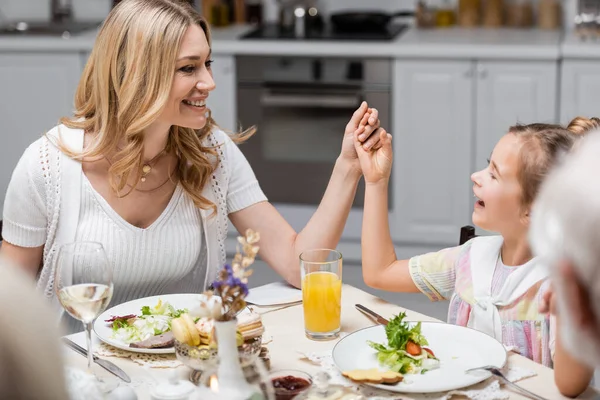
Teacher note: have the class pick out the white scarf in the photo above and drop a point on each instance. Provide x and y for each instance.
(485, 252)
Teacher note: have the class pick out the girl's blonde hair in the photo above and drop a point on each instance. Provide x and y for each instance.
(542, 146)
(125, 86)
(582, 125)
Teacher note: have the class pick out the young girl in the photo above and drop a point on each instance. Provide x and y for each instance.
(493, 282)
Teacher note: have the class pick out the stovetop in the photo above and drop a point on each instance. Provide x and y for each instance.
(274, 31)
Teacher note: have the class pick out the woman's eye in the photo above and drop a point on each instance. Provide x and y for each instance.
(188, 69)
(209, 63)
(492, 175)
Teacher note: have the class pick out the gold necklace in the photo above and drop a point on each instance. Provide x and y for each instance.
(147, 166)
(144, 180)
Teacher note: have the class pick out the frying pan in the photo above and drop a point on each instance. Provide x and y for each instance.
(365, 20)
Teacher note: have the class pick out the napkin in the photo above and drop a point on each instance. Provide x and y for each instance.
(487, 390)
(273, 294)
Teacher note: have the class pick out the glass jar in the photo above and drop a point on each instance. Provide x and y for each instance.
(323, 390)
(549, 14)
(469, 13)
(519, 13)
(444, 16)
(493, 15)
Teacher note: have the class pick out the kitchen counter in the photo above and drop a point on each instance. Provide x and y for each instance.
(453, 43)
(573, 47)
(414, 43)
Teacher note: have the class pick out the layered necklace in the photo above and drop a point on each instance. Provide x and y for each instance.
(147, 167)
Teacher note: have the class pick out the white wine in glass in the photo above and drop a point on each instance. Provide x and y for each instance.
(83, 284)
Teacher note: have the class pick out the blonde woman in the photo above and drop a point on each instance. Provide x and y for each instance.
(144, 170)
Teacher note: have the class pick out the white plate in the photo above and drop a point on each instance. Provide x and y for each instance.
(104, 331)
(458, 349)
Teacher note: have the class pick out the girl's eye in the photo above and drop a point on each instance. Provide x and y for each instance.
(209, 63)
(492, 176)
(188, 69)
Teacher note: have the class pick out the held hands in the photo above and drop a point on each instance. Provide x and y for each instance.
(363, 127)
(376, 160)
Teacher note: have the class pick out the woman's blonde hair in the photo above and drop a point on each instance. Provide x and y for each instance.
(125, 86)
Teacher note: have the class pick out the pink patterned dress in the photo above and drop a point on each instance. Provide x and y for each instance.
(446, 274)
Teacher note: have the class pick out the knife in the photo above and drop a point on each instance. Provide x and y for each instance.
(372, 314)
(107, 365)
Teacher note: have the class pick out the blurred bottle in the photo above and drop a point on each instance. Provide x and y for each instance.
(469, 13)
(519, 13)
(549, 14)
(445, 15)
(493, 14)
(219, 14)
(425, 15)
(254, 11)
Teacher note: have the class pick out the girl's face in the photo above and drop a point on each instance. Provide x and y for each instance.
(192, 82)
(498, 193)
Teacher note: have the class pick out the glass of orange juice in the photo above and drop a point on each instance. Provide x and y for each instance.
(321, 271)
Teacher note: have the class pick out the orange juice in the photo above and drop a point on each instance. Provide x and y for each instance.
(322, 298)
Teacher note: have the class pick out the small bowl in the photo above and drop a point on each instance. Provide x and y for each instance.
(202, 358)
(297, 382)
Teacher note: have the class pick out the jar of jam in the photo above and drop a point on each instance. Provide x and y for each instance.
(288, 384)
(323, 390)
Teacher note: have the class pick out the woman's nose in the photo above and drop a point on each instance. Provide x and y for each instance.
(475, 178)
(206, 83)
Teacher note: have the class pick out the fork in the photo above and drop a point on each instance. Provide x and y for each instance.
(496, 372)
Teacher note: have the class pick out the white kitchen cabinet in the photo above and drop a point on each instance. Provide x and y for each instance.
(580, 89)
(511, 92)
(433, 103)
(222, 100)
(448, 117)
(37, 89)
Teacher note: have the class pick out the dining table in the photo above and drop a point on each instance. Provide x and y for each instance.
(289, 346)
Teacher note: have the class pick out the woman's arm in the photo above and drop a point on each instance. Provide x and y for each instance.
(280, 245)
(28, 258)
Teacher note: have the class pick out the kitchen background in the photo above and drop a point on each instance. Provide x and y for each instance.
(447, 95)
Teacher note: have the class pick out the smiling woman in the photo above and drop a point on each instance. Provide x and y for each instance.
(143, 169)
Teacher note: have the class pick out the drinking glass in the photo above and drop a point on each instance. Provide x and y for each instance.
(321, 271)
(83, 284)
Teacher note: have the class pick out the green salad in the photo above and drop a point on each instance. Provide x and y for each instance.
(152, 321)
(405, 351)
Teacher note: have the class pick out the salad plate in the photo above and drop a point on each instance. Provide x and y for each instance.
(438, 364)
(155, 312)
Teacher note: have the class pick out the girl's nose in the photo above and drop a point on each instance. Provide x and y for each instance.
(475, 178)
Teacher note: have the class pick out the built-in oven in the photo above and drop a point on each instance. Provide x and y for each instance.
(301, 106)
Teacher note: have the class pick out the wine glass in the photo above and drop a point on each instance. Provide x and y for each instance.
(83, 284)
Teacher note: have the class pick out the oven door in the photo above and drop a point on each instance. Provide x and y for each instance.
(300, 127)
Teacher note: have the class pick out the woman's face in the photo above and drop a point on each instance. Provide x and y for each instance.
(192, 82)
(498, 193)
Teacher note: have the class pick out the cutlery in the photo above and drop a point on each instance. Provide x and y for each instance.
(372, 314)
(496, 372)
(107, 365)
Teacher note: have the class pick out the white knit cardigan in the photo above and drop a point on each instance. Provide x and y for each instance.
(54, 187)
